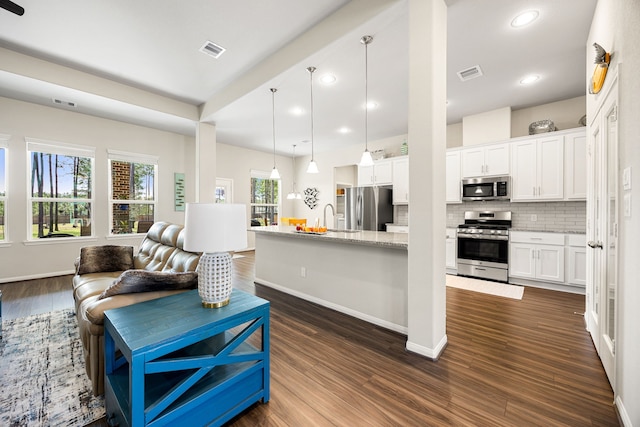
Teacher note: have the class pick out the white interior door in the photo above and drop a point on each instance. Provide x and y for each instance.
(602, 231)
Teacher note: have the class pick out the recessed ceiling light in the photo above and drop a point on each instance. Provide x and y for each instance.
(529, 79)
(524, 18)
(328, 79)
(297, 111)
(372, 105)
(344, 129)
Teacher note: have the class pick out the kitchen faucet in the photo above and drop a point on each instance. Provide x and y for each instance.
(333, 212)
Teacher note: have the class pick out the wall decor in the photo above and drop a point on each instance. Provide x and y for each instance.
(178, 191)
(311, 197)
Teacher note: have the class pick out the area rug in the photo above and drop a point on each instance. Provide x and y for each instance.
(486, 287)
(42, 376)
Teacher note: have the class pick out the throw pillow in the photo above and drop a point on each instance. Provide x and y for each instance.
(133, 281)
(101, 259)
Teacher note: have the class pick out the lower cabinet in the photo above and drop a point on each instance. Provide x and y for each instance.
(451, 250)
(537, 256)
(576, 254)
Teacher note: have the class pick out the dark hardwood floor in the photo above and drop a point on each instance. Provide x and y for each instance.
(508, 362)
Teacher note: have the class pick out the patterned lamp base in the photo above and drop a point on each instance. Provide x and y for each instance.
(214, 279)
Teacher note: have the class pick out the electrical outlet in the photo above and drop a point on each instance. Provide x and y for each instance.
(303, 272)
(534, 218)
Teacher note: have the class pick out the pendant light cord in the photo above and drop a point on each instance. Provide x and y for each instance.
(273, 108)
(366, 40)
(311, 70)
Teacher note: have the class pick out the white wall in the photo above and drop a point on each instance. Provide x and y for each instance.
(565, 115)
(616, 27)
(20, 261)
(494, 125)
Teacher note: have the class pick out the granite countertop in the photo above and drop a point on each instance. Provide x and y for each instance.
(548, 231)
(368, 238)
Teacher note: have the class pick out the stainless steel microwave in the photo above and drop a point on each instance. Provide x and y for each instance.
(486, 188)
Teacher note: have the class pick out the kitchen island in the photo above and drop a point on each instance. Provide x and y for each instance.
(362, 274)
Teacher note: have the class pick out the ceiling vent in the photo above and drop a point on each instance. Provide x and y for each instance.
(64, 103)
(212, 49)
(470, 73)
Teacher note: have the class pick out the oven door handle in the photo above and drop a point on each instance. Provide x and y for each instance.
(482, 237)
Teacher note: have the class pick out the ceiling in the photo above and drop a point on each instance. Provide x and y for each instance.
(153, 45)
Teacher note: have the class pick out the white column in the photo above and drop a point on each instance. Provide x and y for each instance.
(205, 164)
(427, 149)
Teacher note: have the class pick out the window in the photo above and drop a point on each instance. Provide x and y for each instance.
(133, 189)
(61, 189)
(3, 187)
(265, 199)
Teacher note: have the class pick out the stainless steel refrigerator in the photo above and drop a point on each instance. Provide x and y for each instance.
(368, 208)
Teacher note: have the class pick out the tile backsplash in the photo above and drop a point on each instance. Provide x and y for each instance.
(549, 216)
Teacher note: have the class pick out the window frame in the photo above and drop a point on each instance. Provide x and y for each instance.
(135, 158)
(257, 174)
(65, 149)
(4, 145)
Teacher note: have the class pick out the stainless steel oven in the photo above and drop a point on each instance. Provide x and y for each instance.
(483, 245)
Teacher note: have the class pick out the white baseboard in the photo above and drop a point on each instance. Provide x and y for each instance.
(431, 353)
(353, 313)
(36, 276)
(624, 416)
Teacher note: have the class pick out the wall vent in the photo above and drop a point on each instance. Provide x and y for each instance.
(64, 103)
(212, 49)
(470, 73)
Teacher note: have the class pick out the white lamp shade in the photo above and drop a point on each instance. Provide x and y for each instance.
(366, 159)
(215, 227)
(313, 167)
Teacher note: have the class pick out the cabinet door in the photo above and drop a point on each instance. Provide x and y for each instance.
(472, 162)
(383, 173)
(549, 263)
(451, 254)
(575, 166)
(401, 181)
(577, 266)
(496, 160)
(551, 168)
(521, 260)
(365, 176)
(453, 177)
(524, 164)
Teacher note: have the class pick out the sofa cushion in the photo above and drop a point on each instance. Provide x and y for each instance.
(134, 281)
(105, 258)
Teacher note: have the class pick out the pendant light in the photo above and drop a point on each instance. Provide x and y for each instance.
(294, 194)
(274, 172)
(366, 159)
(313, 167)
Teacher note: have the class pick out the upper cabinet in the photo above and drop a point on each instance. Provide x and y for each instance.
(401, 181)
(537, 169)
(381, 173)
(575, 166)
(487, 160)
(453, 177)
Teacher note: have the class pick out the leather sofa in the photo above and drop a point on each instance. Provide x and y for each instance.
(100, 274)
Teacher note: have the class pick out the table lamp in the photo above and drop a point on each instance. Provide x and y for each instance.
(214, 229)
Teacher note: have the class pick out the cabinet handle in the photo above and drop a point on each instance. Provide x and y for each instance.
(534, 191)
(539, 191)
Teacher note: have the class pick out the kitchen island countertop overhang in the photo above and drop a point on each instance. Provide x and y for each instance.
(362, 274)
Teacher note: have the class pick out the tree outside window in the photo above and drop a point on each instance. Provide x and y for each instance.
(61, 189)
(265, 199)
(133, 196)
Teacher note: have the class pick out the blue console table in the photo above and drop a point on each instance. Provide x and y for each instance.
(169, 361)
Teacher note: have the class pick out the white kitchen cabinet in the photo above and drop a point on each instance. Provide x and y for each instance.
(486, 160)
(537, 256)
(537, 169)
(392, 228)
(401, 181)
(575, 166)
(576, 265)
(381, 173)
(451, 250)
(453, 177)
